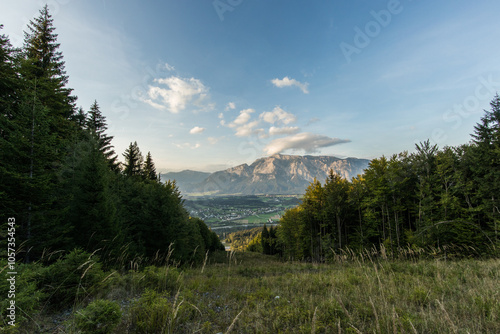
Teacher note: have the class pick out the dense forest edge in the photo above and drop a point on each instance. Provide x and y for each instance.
(107, 247)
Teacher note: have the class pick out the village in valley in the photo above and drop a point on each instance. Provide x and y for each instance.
(229, 211)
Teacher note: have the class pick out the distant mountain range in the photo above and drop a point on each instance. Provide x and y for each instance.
(277, 174)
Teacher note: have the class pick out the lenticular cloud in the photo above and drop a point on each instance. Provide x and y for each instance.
(307, 142)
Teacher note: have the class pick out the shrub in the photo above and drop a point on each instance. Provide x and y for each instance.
(161, 278)
(27, 296)
(155, 313)
(72, 278)
(99, 317)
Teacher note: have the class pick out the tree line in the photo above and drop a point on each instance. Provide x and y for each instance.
(60, 177)
(433, 198)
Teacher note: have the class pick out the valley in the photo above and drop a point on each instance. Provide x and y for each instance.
(227, 214)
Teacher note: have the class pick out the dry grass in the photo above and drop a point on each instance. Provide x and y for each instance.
(253, 293)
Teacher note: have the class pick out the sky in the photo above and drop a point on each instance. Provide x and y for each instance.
(206, 85)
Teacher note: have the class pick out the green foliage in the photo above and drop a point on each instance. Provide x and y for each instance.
(211, 241)
(266, 247)
(133, 160)
(161, 279)
(95, 123)
(28, 297)
(156, 313)
(149, 169)
(255, 245)
(91, 210)
(241, 240)
(76, 276)
(99, 317)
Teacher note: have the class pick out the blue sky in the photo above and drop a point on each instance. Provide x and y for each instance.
(206, 85)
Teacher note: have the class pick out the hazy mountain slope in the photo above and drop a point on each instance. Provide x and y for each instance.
(186, 180)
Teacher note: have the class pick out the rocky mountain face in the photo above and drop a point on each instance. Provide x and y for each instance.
(277, 174)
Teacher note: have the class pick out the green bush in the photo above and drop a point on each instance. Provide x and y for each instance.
(27, 296)
(161, 278)
(157, 313)
(99, 317)
(72, 278)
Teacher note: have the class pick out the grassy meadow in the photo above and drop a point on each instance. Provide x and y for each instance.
(253, 293)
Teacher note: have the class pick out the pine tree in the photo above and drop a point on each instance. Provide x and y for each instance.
(91, 213)
(133, 160)
(11, 132)
(336, 207)
(43, 67)
(427, 189)
(149, 170)
(486, 171)
(96, 123)
(80, 118)
(9, 81)
(266, 247)
(46, 129)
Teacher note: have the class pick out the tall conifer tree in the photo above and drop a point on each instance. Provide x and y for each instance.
(96, 124)
(149, 169)
(133, 160)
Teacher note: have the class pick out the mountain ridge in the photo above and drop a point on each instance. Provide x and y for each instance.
(276, 174)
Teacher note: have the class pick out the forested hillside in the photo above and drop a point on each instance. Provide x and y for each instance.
(60, 178)
(444, 199)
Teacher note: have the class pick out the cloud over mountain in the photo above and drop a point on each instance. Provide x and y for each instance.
(305, 141)
(287, 130)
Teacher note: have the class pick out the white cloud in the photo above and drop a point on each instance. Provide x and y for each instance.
(304, 141)
(242, 118)
(278, 115)
(221, 116)
(245, 127)
(287, 130)
(196, 130)
(287, 82)
(230, 106)
(248, 129)
(178, 93)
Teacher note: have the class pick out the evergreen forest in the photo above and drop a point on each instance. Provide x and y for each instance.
(60, 178)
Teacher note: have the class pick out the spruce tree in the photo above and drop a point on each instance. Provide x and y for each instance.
(10, 132)
(266, 246)
(46, 129)
(43, 67)
(92, 213)
(486, 168)
(96, 123)
(9, 82)
(149, 170)
(133, 160)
